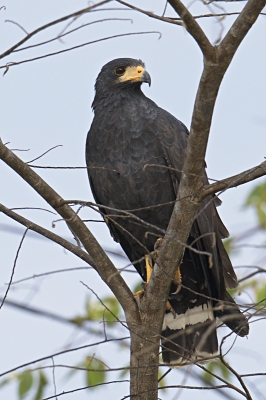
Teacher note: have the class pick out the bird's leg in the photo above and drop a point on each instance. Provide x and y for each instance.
(168, 307)
(177, 279)
(149, 268)
(150, 259)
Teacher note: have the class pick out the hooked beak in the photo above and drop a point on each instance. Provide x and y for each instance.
(146, 78)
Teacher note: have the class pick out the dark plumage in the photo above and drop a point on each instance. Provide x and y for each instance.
(128, 132)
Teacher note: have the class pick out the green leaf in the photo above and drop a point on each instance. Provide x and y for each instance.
(25, 383)
(94, 377)
(124, 372)
(217, 368)
(4, 382)
(229, 245)
(41, 385)
(162, 382)
(261, 296)
(96, 311)
(257, 200)
(137, 288)
(79, 320)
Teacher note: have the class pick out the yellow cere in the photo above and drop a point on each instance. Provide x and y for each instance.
(132, 74)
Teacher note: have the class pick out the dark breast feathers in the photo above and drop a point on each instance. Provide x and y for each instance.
(135, 152)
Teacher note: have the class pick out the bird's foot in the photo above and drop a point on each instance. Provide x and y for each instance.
(168, 307)
(149, 267)
(177, 279)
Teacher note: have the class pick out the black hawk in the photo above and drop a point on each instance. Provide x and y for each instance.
(135, 152)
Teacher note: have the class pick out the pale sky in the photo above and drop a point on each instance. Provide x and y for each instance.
(46, 103)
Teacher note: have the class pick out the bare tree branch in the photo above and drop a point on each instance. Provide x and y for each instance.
(193, 28)
(234, 181)
(55, 53)
(55, 22)
(150, 14)
(59, 353)
(13, 269)
(69, 32)
(185, 209)
(48, 234)
(102, 263)
(239, 29)
(83, 388)
(239, 378)
(145, 329)
(230, 385)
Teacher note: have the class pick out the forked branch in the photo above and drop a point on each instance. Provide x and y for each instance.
(101, 261)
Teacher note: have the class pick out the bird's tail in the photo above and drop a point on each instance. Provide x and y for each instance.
(190, 336)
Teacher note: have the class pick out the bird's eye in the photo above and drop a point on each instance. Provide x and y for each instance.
(120, 71)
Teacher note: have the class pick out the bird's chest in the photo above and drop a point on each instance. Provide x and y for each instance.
(125, 140)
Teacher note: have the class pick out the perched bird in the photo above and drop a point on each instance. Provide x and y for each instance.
(135, 151)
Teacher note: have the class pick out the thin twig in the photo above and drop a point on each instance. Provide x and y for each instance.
(228, 366)
(48, 234)
(77, 47)
(60, 353)
(17, 24)
(84, 388)
(55, 22)
(69, 32)
(37, 158)
(13, 269)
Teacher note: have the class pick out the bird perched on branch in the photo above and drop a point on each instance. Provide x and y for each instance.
(135, 152)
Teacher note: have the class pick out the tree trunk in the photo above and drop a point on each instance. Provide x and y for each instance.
(144, 363)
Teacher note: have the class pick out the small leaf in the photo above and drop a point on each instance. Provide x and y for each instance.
(206, 377)
(261, 296)
(4, 382)
(25, 383)
(78, 320)
(95, 377)
(217, 368)
(229, 245)
(257, 200)
(41, 385)
(124, 372)
(161, 383)
(96, 311)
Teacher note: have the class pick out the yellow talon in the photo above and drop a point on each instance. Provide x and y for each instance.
(177, 280)
(148, 263)
(177, 276)
(168, 307)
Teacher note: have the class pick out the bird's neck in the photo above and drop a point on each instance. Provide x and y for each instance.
(117, 97)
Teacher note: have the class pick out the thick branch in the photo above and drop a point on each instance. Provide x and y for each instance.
(150, 14)
(240, 28)
(103, 264)
(234, 181)
(186, 207)
(193, 28)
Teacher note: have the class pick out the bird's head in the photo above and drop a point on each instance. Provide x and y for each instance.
(121, 73)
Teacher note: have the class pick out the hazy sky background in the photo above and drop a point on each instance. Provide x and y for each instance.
(47, 102)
